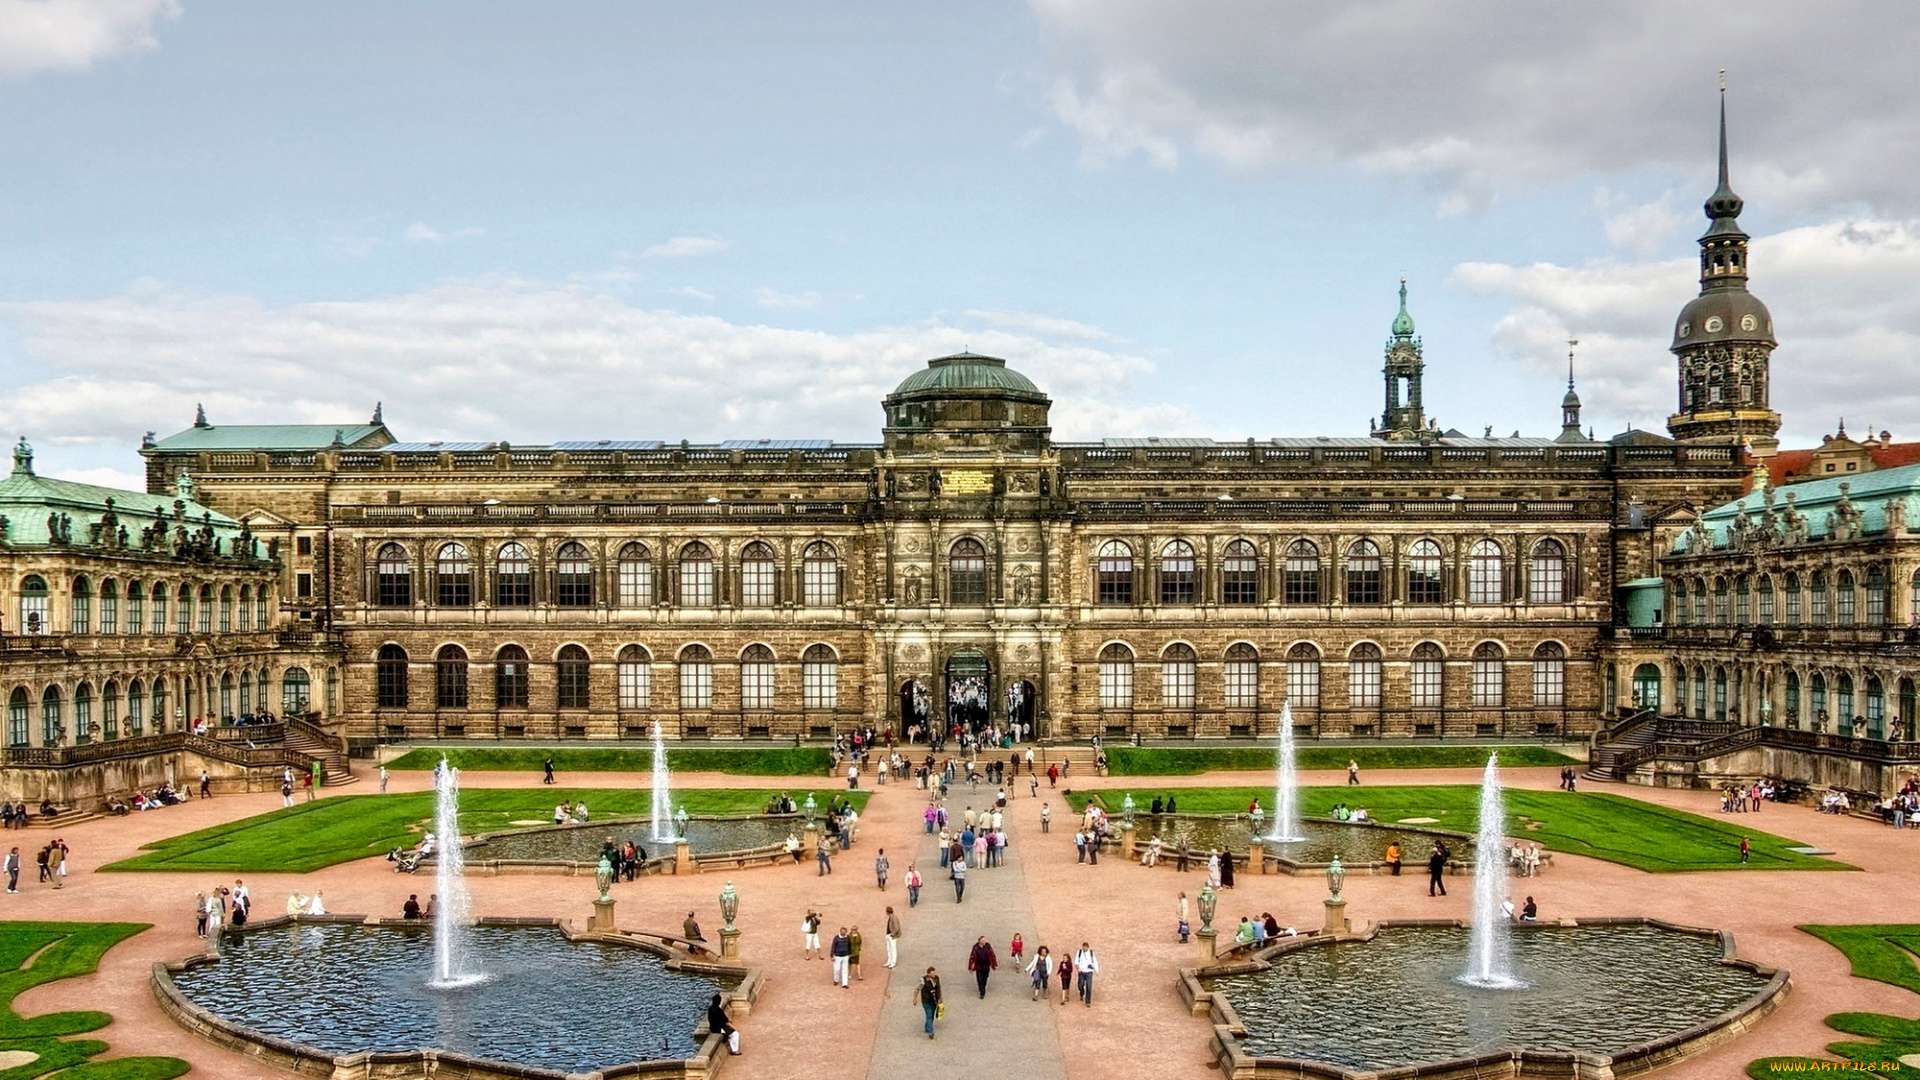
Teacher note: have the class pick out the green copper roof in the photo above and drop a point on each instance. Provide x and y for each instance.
(274, 437)
(1403, 322)
(28, 501)
(1870, 493)
(968, 371)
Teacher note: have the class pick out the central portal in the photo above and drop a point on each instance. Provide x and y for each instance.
(969, 690)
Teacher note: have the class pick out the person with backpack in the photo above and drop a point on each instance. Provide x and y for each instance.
(927, 996)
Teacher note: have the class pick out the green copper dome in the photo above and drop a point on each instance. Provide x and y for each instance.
(967, 371)
(1403, 322)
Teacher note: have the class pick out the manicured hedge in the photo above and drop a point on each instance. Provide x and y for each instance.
(745, 761)
(1187, 761)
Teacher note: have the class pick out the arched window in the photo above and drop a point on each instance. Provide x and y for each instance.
(1817, 598)
(83, 729)
(756, 677)
(572, 678)
(1242, 676)
(33, 605)
(1364, 676)
(967, 572)
(450, 678)
(1793, 599)
(1549, 675)
(1114, 573)
(1240, 574)
(390, 677)
(226, 609)
(1843, 707)
(1486, 573)
(696, 677)
(80, 620)
(1547, 583)
(260, 607)
(18, 708)
(1909, 702)
(1177, 676)
(1301, 572)
(1116, 677)
(260, 687)
(1699, 692)
(246, 693)
(53, 728)
(1427, 676)
(1876, 596)
(1817, 698)
(226, 697)
(136, 710)
(204, 624)
(819, 678)
(1700, 614)
(296, 689)
(1766, 600)
(160, 594)
(696, 576)
(1742, 601)
(573, 576)
(183, 611)
(512, 576)
(137, 608)
(820, 576)
(453, 577)
(1363, 572)
(1426, 574)
(633, 677)
(1646, 687)
(756, 576)
(159, 710)
(1913, 595)
(510, 677)
(246, 609)
(1177, 573)
(1303, 675)
(635, 573)
(333, 691)
(1489, 676)
(1876, 707)
(393, 577)
(1843, 599)
(110, 711)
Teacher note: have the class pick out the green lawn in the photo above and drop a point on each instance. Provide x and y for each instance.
(1189, 761)
(1604, 826)
(1885, 953)
(746, 761)
(32, 953)
(318, 834)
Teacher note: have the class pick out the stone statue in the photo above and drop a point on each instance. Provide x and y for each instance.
(910, 585)
(1022, 586)
(1897, 515)
(603, 876)
(1336, 877)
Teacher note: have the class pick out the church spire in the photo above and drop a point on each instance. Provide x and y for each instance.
(1570, 404)
(1403, 417)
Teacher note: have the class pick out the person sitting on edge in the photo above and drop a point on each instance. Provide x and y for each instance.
(411, 909)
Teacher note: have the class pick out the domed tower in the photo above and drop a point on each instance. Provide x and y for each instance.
(966, 400)
(1403, 417)
(1724, 336)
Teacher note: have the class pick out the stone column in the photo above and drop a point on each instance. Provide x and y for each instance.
(602, 920)
(683, 858)
(1336, 916)
(729, 944)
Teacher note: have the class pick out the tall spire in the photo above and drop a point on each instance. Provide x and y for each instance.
(1403, 417)
(1403, 322)
(1723, 204)
(1570, 404)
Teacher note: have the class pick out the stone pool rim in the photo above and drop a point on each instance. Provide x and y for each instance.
(478, 864)
(407, 1064)
(1295, 867)
(1236, 1063)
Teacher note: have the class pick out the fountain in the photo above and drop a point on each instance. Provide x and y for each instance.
(450, 913)
(662, 797)
(1286, 793)
(1490, 944)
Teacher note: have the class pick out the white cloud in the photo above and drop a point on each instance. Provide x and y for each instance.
(422, 233)
(1475, 98)
(683, 247)
(692, 293)
(110, 478)
(1642, 229)
(774, 298)
(1844, 309)
(71, 35)
(492, 358)
(1049, 325)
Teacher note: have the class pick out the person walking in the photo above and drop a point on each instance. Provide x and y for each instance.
(927, 996)
(880, 868)
(841, 949)
(1746, 850)
(383, 779)
(546, 770)
(59, 859)
(1042, 971)
(1353, 772)
(854, 943)
(206, 785)
(286, 792)
(810, 935)
(958, 871)
(1046, 818)
(13, 870)
(1436, 869)
(1184, 927)
(1085, 964)
(982, 960)
(914, 881)
(893, 937)
(821, 858)
(1064, 969)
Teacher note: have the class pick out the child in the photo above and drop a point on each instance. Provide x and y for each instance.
(1017, 948)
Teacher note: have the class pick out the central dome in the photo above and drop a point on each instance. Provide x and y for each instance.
(967, 371)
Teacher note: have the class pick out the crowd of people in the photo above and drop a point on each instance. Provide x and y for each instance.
(51, 860)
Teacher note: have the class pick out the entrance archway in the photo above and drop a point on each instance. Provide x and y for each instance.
(969, 690)
(915, 705)
(1020, 708)
(1646, 687)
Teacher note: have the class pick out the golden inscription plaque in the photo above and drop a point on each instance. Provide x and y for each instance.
(966, 481)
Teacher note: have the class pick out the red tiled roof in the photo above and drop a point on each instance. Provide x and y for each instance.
(1790, 465)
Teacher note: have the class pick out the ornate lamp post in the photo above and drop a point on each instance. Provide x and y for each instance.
(602, 921)
(1336, 907)
(1209, 903)
(729, 934)
(812, 809)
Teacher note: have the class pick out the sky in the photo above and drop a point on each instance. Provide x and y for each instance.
(585, 220)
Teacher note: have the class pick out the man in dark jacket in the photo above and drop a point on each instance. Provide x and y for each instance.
(1436, 867)
(981, 960)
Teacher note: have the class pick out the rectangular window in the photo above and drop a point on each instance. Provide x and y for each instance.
(1489, 684)
(226, 614)
(205, 622)
(183, 616)
(1243, 684)
(1876, 606)
(1363, 684)
(1423, 582)
(1116, 581)
(1819, 605)
(636, 583)
(456, 590)
(1303, 682)
(109, 716)
(1548, 584)
(1843, 602)
(696, 586)
(136, 612)
(110, 613)
(756, 685)
(510, 684)
(1116, 684)
(513, 588)
(1177, 684)
(1549, 683)
(756, 584)
(820, 582)
(1426, 684)
(136, 714)
(1484, 580)
(1766, 607)
(82, 614)
(1240, 581)
(1793, 607)
(968, 582)
(820, 685)
(303, 545)
(635, 684)
(696, 683)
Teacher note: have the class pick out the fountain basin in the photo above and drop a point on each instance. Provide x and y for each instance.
(1605, 997)
(1360, 845)
(350, 999)
(575, 849)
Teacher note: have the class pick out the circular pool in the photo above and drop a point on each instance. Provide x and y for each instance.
(582, 843)
(1355, 844)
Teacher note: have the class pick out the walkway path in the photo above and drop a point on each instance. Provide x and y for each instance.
(984, 1038)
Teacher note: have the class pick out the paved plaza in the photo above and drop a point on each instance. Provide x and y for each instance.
(804, 1027)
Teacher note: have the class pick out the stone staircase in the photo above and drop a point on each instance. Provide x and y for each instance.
(1603, 762)
(308, 740)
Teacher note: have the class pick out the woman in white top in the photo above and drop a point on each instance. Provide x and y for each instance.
(315, 906)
